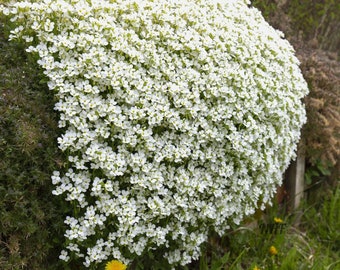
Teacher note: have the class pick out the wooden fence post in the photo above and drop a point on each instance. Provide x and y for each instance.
(295, 179)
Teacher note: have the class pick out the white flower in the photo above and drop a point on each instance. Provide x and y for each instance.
(64, 256)
(178, 116)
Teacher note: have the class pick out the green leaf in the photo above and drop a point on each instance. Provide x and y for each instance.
(217, 265)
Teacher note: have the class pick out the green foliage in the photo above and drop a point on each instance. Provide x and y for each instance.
(323, 220)
(248, 246)
(267, 7)
(306, 14)
(290, 260)
(31, 220)
(215, 256)
(317, 19)
(317, 171)
(151, 259)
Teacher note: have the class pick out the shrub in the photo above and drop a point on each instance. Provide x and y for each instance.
(323, 143)
(31, 217)
(179, 118)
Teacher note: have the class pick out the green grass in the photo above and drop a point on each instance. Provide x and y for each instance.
(311, 243)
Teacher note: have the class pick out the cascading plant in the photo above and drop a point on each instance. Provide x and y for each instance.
(179, 118)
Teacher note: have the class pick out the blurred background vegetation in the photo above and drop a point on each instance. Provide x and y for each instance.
(31, 219)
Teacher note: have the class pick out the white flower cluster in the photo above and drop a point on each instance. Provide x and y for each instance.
(180, 117)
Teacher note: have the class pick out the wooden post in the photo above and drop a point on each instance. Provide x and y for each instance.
(295, 179)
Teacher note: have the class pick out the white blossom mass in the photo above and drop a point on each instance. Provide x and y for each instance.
(178, 117)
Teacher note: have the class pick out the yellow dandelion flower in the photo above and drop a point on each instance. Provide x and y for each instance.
(278, 220)
(273, 251)
(256, 268)
(115, 265)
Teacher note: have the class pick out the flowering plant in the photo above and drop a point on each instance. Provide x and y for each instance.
(179, 118)
(115, 265)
